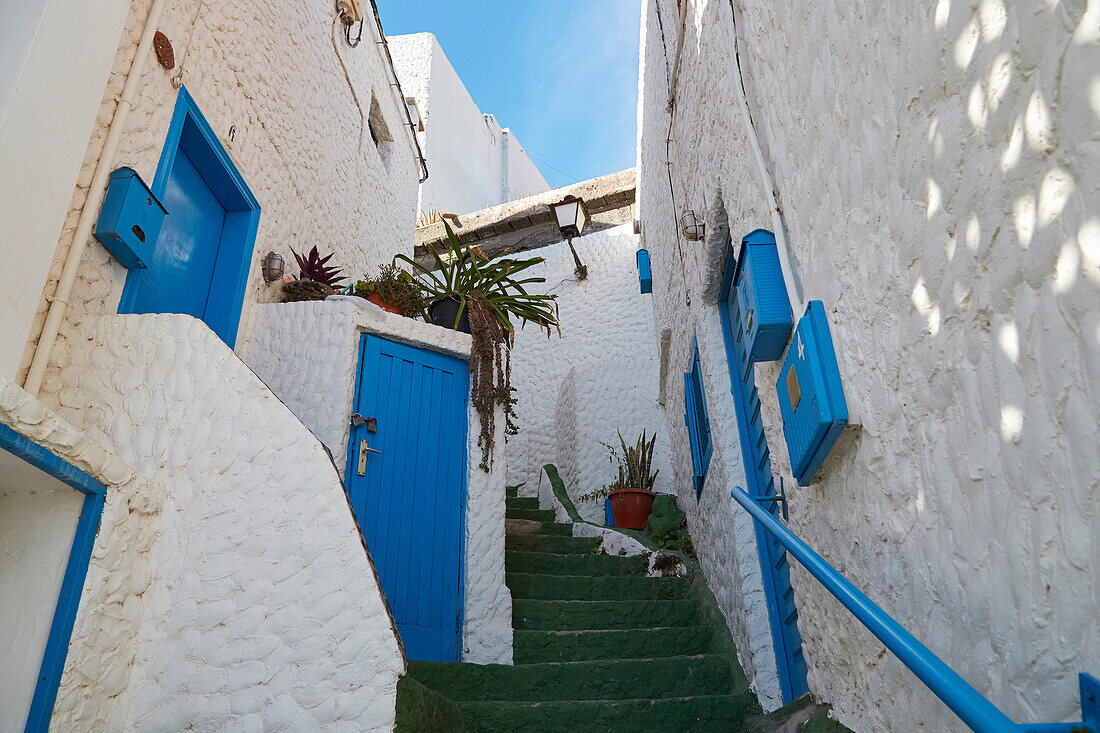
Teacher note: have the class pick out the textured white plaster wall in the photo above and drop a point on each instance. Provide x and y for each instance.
(261, 608)
(94, 692)
(38, 516)
(598, 378)
(55, 58)
(299, 98)
(464, 148)
(308, 355)
(938, 172)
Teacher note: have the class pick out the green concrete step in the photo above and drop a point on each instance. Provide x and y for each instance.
(536, 515)
(556, 545)
(576, 646)
(547, 563)
(557, 529)
(598, 615)
(678, 715)
(524, 502)
(604, 679)
(511, 492)
(595, 587)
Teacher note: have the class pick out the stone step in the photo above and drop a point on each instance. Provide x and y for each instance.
(599, 615)
(557, 529)
(577, 646)
(538, 515)
(595, 587)
(680, 715)
(604, 679)
(556, 545)
(522, 502)
(547, 563)
(511, 492)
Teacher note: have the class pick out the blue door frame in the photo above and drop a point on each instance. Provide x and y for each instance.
(410, 503)
(76, 569)
(782, 613)
(190, 134)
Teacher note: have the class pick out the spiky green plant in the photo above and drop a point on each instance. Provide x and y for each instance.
(634, 465)
(468, 270)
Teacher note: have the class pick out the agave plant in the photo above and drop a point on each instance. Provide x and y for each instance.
(468, 270)
(313, 267)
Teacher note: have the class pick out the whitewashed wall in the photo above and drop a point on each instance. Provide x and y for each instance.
(259, 606)
(474, 163)
(600, 377)
(299, 99)
(308, 355)
(55, 58)
(938, 176)
(38, 516)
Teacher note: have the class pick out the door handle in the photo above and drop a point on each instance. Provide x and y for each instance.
(364, 449)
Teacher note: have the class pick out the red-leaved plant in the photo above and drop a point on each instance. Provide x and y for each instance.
(312, 267)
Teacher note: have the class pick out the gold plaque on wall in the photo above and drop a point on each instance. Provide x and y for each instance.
(792, 388)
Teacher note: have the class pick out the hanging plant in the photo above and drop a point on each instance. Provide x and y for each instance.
(484, 290)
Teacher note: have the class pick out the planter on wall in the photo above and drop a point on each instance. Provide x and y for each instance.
(443, 311)
(384, 304)
(631, 507)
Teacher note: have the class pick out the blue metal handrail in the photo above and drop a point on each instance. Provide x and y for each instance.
(966, 702)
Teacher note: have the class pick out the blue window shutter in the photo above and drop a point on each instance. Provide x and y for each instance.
(645, 277)
(697, 421)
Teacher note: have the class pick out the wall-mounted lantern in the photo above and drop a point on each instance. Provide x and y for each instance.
(273, 266)
(571, 215)
(691, 227)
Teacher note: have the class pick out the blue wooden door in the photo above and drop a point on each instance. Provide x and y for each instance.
(758, 470)
(410, 499)
(178, 275)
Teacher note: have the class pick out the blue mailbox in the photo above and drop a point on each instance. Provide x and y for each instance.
(811, 396)
(130, 219)
(645, 277)
(762, 297)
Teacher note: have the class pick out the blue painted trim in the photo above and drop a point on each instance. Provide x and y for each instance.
(76, 570)
(645, 275)
(695, 397)
(190, 130)
(955, 692)
(779, 642)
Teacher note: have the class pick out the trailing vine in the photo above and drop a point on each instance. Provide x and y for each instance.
(490, 374)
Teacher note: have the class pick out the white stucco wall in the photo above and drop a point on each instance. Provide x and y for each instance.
(939, 184)
(600, 377)
(298, 99)
(260, 606)
(308, 355)
(466, 149)
(55, 57)
(38, 516)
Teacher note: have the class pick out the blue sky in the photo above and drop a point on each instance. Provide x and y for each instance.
(563, 74)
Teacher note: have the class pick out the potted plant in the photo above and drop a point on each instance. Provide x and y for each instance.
(480, 294)
(394, 290)
(631, 493)
(316, 281)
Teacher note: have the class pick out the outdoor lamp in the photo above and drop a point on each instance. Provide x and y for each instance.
(571, 215)
(693, 230)
(273, 266)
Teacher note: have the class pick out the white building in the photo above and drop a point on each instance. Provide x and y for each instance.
(475, 164)
(936, 173)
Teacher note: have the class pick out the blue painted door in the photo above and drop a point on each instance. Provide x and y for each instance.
(758, 470)
(410, 499)
(178, 276)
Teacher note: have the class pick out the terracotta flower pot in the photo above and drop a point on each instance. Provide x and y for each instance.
(383, 304)
(631, 507)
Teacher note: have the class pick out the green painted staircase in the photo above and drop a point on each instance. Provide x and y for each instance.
(597, 646)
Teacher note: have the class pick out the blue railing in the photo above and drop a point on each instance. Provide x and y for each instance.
(966, 702)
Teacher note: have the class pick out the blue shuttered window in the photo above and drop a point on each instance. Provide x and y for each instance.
(697, 421)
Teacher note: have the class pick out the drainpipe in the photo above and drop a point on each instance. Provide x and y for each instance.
(767, 186)
(90, 209)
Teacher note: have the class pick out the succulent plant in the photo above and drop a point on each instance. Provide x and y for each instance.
(312, 267)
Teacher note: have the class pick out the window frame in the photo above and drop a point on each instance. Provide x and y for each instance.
(695, 405)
